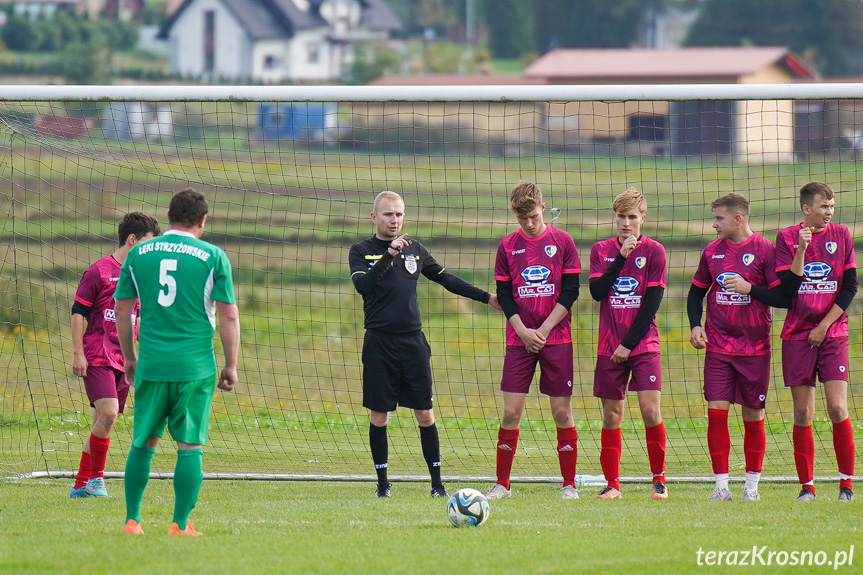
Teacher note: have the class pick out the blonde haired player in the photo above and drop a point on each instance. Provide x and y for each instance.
(627, 277)
(536, 270)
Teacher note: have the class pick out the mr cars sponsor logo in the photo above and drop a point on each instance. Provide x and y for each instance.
(535, 277)
(816, 282)
(726, 297)
(623, 293)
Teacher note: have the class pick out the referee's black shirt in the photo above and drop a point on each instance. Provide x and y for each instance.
(389, 285)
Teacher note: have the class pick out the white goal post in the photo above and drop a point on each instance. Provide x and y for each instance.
(290, 172)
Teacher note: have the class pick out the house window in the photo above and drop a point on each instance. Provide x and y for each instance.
(270, 62)
(647, 127)
(314, 50)
(209, 41)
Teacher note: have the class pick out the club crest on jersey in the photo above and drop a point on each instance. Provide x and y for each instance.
(411, 264)
(550, 251)
(640, 261)
(831, 247)
(748, 259)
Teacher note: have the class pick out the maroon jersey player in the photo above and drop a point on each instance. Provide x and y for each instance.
(536, 271)
(819, 255)
(627, 277)
(737, 274)
(96, 347)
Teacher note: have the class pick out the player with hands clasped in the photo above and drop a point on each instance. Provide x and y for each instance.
(627, 277)
(536, 270)
(817, 255)
(97, 355)
(737, 273)
(396, 356)
(181, 281)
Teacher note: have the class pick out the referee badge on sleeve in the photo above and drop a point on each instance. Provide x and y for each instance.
(411, 264)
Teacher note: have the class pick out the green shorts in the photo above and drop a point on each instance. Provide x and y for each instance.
(184, 405)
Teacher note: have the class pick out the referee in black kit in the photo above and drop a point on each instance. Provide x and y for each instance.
(396, 356)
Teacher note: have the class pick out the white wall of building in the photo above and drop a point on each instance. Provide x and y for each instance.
(232, 46)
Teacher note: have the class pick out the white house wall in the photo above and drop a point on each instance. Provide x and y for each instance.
(300, 69)
(232, 45)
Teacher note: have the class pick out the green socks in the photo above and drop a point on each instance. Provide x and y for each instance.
(188, 476)
(136, 477)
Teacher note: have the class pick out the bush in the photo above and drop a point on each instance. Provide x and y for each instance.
(371, 61)
(49, 36)
(82, 64)
(20, 34)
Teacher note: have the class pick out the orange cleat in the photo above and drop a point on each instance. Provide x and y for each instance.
(609, 493)
(660, 491)
(174, 529)
(132, 527)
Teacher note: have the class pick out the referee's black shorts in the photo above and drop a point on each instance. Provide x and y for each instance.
(396, 371)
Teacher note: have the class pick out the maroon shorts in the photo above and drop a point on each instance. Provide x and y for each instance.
(555, 366)
(801, 362)
(643, 372)
(740, 379)
(103, 381)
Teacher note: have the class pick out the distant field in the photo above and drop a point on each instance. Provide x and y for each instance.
(287, 218)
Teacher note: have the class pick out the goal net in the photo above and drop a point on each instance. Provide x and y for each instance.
(290, 174)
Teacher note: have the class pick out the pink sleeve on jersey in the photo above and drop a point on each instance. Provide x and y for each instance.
(702, 275)
(784, 256)
(571, 263)
(657, 272)
(501, 263)
(769, 256)
(89, 288)
(850, 257)
(596, 267)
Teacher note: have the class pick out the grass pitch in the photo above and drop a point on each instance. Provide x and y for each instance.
(325, 527)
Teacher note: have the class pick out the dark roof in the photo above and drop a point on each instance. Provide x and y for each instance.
(266, 19)
(378, 16)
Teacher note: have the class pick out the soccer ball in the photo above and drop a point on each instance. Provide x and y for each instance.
(467, 507)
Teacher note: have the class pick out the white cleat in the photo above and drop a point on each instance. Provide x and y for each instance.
(720, 494)
(751, 494)
(569, 492)
(498, 492)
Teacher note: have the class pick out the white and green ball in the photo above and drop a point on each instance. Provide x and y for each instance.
(467, 507)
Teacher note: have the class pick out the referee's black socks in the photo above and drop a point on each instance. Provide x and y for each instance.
(431, 452)
(380, 455)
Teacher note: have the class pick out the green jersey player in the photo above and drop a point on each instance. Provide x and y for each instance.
(180, 281)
